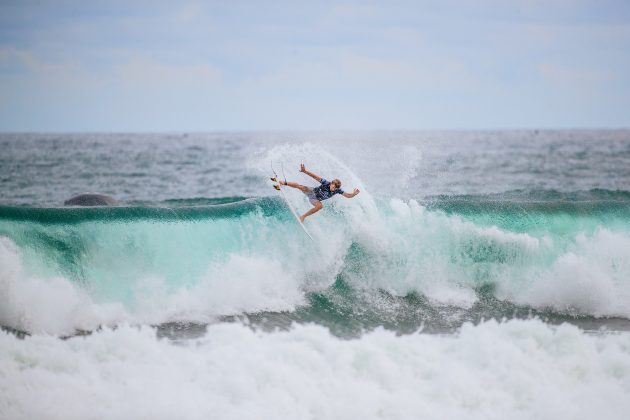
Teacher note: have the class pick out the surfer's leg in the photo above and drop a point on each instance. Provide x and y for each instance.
(298, 186)
(316, 207)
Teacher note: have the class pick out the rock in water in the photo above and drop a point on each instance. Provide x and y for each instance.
(90, 200)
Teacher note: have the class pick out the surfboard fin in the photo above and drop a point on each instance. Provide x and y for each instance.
(283, 175)
(276, 187)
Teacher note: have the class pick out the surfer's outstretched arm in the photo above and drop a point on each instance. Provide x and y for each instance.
(309, 173)
(352, 194)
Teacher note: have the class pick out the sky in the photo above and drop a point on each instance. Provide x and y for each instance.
(127, 66)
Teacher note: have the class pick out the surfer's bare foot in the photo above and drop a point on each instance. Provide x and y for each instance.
(302, 218)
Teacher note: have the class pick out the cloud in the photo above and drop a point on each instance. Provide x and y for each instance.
(572, 77)
(136, 73)
(146, 73)
(13, 59)
(17, 65)
(148, 65)
(139, 92)
(435, 73)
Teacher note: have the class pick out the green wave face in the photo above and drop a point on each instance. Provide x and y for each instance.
(376, 262)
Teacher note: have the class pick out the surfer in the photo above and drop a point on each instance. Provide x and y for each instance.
(316, 195)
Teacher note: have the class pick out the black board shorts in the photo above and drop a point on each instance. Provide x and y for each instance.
(310, 194)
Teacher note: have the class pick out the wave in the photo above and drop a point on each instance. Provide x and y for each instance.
(102, 266)
(590, 202)
(516, 370)
(599, 203)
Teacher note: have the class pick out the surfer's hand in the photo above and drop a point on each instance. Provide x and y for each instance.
(356, 191)
(302, 168)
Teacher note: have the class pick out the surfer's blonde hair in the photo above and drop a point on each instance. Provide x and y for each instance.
(336, 183)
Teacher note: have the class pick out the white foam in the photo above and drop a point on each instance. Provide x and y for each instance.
(233, 286)
(513, 370)
(52, 305)
(592, 277)
(446, 258)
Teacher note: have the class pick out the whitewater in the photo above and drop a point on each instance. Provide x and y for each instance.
(477, 275)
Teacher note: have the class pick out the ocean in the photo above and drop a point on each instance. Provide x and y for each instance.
(477, 275)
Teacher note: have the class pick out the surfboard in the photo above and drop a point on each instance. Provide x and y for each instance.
(284, 197)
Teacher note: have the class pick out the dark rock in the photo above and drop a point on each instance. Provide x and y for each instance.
(91, 199)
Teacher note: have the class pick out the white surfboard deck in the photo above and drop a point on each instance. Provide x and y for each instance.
(293, 210)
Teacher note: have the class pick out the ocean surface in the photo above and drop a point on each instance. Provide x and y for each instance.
(477, 275)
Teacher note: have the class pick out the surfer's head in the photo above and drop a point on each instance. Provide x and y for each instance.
(335, 184)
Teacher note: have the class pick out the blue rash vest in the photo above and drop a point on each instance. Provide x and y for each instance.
(323, 191)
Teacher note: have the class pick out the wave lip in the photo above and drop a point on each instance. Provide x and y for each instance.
(595, 202)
